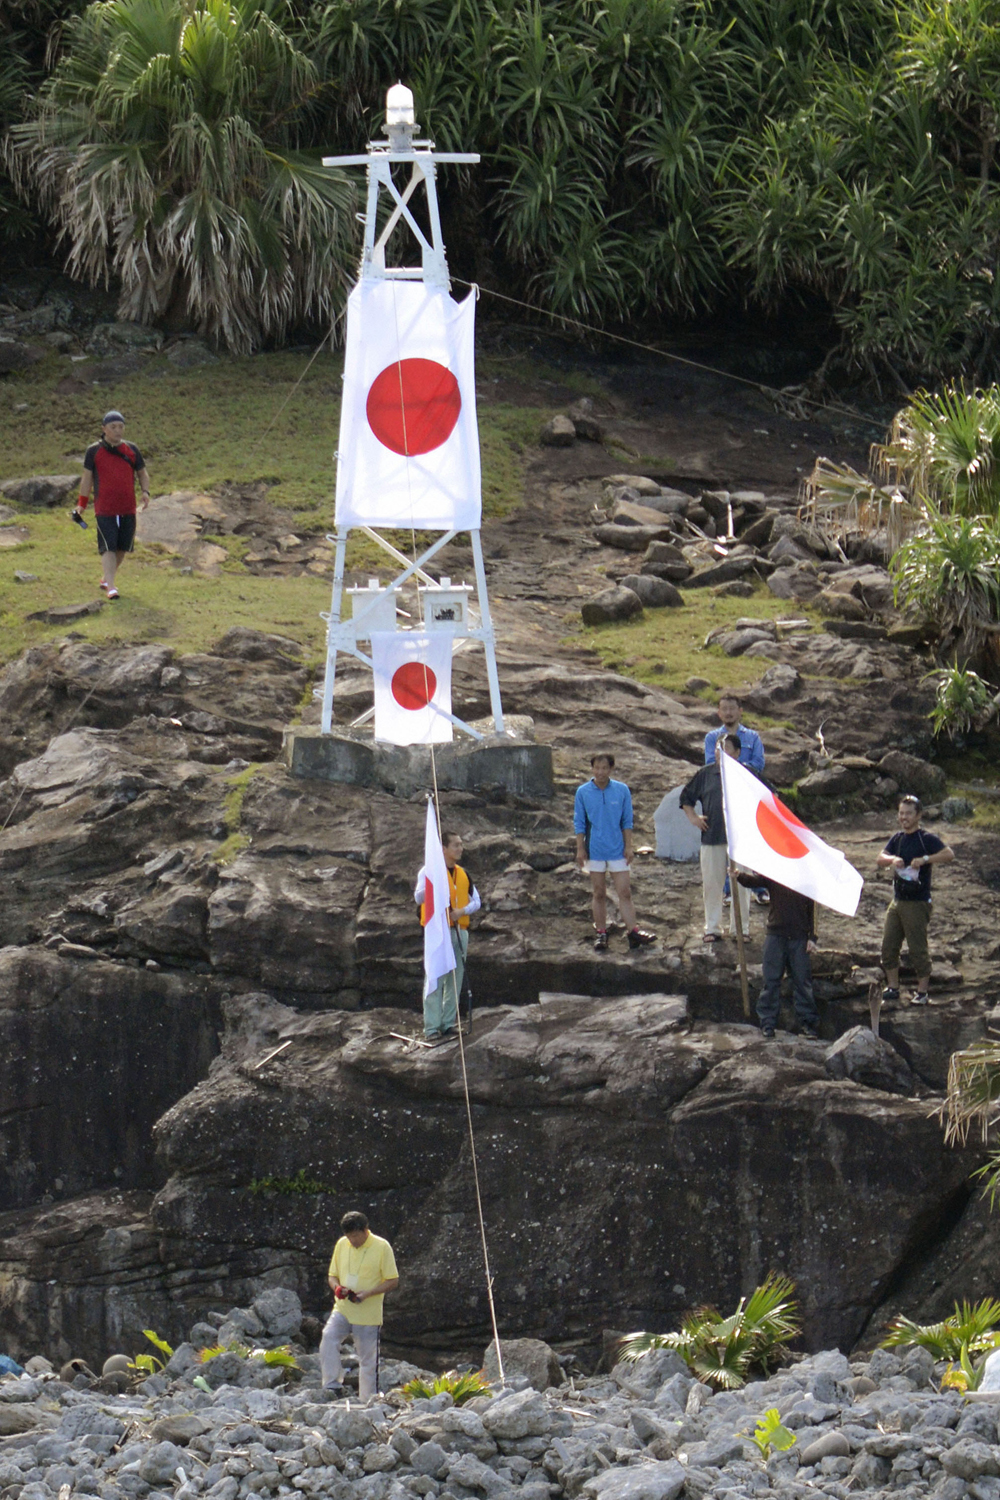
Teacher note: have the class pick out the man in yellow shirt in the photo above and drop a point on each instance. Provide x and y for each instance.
(362, 1270)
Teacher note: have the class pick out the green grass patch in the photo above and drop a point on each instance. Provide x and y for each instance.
(199, 429)
(158, 601)
(667, 646)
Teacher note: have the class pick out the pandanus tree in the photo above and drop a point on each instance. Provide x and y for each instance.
(164, 148)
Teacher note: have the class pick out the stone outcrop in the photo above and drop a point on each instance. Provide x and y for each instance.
(601, 1125)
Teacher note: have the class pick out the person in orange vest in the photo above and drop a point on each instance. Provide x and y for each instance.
(441, 1005)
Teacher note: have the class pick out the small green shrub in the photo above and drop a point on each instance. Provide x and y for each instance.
(972, 1327)
(722, 1351)
(281, 1356)
(460, 1388)
(961, 696)
(949, 572)
(770, 1432)
(148, 1364)
(289, 1187)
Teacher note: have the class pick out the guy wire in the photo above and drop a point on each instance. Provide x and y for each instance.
(437, 816)
(468, 1116)
(680, 359)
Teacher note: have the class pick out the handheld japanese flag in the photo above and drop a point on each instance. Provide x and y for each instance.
(439, 955)
(766, 837)
(412, 672)
(409, 444)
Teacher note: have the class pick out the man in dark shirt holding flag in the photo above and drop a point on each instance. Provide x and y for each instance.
(110, 470)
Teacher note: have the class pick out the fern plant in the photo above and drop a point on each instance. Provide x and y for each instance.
(722, 1351)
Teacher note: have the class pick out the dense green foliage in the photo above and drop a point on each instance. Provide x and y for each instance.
(939, 507)
(641, 157)
(164, 148)
(724, 1351)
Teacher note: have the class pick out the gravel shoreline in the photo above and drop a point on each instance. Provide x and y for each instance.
(877, 1426)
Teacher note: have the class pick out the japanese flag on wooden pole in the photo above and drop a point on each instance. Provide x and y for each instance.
(766, 837)
(412, 672)
(439, 954)
(408, 453)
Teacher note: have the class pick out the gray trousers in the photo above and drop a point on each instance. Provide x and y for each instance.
(366, 1340)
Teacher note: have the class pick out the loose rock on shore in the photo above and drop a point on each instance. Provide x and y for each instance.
(648, 1431)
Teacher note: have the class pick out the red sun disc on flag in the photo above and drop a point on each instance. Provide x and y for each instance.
(413, 406)
(413, 685)
(428, 899)
(778, 834)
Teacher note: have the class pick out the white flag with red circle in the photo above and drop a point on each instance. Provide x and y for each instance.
(765, 836)
(412, 673)
(439, 952)
(409, 443)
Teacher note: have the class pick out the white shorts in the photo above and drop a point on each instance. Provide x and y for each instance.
(615, 866)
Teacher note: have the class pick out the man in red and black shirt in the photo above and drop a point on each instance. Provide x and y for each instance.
(110, 470)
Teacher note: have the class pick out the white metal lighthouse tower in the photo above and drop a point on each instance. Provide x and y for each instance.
(408, 455)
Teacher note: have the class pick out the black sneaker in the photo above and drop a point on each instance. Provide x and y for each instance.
(637, 938)
(601, 943)
(767, 1032)
(762, 897)
(889, 994)
(810, 1033)
(920, 997)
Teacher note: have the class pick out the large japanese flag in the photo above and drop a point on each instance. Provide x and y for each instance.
(765, 836)
(409, 444)
(412, 686)
(439, 954)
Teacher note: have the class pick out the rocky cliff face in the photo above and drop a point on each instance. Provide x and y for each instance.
(639, 1149)
(637, 1154)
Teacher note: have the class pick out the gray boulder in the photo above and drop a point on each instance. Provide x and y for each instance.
(657, 1481)
(722, 572)
(991, 1374)
(532, 1358)
(953, 809)
(634, 537)
(559, 432)
(611, 605)
(799, 582)
(429, 1458)
(778, 684)
(870, 1060)
(830, 1445)
(654, 593)
(522, 1415)
(280, 1311)
(161, 1462)
(970, 1459)
(913, 774)
(39, 491)
(113, 338)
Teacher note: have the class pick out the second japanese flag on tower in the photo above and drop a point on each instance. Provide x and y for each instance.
(412, 670)
(765, 836)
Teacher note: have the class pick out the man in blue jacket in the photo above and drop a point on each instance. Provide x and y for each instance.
(751, 756)
(602, 821)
